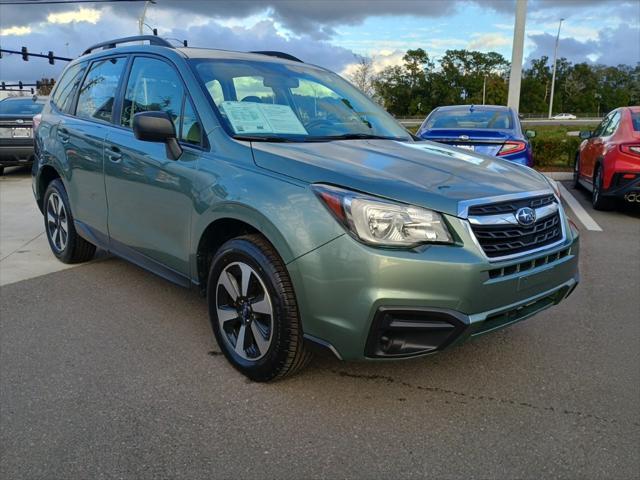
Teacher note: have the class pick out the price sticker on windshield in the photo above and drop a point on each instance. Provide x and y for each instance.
(250, 117)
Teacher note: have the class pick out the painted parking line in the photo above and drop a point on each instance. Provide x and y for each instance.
(579, 211)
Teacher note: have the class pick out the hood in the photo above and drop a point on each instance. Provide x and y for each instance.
(424, 173)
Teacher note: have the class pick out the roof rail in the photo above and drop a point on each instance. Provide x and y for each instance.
(272, 53)
(152, 39)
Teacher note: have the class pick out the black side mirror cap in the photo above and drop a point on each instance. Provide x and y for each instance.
(584, 134)
(157, 127)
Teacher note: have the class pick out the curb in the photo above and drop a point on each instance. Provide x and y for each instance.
(559, 176)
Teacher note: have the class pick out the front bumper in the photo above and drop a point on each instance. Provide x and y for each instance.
(343, 286)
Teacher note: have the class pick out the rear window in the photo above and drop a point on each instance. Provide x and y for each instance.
(482, 119)
(635, 121)
(26, 107)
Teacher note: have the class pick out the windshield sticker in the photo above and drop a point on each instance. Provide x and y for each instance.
(250, 117)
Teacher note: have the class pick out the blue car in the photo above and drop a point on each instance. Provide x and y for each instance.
(487, 129)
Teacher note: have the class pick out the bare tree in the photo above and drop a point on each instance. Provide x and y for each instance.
(363, 75)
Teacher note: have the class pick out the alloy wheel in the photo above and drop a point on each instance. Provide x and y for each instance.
(244, 310)
(57, 222)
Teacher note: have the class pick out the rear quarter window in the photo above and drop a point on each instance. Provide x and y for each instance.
(635, 121)
(63, 95)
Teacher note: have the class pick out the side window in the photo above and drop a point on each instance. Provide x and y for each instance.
(154, 86)
(63, 96)
(600, 129)
(191, 132)
(613, 125)
(252, 89)
(97, 94)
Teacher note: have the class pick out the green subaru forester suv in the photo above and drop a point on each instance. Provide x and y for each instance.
(305, 212)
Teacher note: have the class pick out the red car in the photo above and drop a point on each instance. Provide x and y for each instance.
(608, 160)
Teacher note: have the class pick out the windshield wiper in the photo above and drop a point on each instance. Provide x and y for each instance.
(357, 136)
(257, 138)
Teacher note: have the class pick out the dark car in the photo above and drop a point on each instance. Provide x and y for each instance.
(486, 129)
(16, 129)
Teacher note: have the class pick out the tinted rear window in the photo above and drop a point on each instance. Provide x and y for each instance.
(26, 107)
(483, 119)
(635, 120)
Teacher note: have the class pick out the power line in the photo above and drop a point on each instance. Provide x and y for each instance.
(62, 2)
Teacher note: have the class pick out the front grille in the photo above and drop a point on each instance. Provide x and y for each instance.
(528, 265)
(503, 240)
(511, 206)
(499, 233)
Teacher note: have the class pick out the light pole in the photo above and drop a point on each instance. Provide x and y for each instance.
(553, 76)
(516, 55)
(143, 14)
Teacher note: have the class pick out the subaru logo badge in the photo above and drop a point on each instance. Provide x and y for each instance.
(526, 216)
(463, 137)
(20, 121)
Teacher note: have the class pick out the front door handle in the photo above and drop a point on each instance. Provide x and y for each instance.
(114, 154)
(63, 135)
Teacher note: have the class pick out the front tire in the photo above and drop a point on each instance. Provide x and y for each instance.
(597, 200)
(65, 243)
(253, 310)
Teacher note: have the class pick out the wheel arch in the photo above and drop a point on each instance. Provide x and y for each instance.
(227, 223)
(46, 175)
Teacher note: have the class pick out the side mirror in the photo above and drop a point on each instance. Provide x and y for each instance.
(584, 134)
(530, 133)
(157, 127)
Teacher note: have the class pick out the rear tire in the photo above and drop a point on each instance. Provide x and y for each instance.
(597, 200)
(576, 172)
(253, 310)
(65, 243)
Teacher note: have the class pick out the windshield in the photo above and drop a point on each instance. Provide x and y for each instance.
(26, 107)
(467, 118)
(282, 102)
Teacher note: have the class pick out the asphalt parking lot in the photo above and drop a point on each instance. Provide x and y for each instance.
(107, 371)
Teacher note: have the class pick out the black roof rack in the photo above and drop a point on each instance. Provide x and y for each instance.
(152, 39)
(272, 53)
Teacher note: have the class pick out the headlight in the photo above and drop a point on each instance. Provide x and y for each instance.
(383, 223)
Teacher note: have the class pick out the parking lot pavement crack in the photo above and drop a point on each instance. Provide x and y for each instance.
(21, 246)
(463, 397)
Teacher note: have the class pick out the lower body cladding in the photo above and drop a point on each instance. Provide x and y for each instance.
(368, 303)
(625, 186)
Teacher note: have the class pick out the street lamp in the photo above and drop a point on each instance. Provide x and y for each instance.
(553, 77)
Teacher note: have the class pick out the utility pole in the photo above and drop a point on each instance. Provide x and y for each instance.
(516, 55)
(553, 76)
(484, 90)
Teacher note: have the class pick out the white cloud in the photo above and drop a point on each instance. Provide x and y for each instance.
(488, 41)
(16, 31)
(89, 15)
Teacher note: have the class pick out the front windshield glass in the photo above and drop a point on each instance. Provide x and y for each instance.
(466, 118)
(26, 107)
(284, 102)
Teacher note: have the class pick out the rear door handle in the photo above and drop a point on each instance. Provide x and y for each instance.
(63, 135)
(114, 154)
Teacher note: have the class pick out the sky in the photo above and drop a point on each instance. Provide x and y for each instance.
(330, 33)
